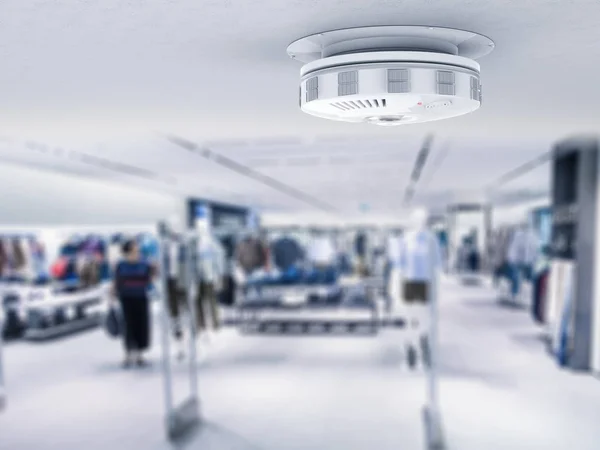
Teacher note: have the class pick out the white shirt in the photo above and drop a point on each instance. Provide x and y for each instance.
(211, 258)
(321, 251)
(393, 249)
(114, 254)
(420, 255)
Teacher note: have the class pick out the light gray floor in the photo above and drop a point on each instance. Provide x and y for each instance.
(499, 390)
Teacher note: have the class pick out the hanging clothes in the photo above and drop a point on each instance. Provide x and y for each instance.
(321, 251)
(149, 247)
(360, 244)
(538, 304)
(498, 246)
(18, 253)
(114, 254)
(3, 258)
(251, 254)
(286, 252)
(523, 248)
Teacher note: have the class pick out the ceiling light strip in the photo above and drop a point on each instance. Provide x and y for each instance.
(98, 162)
(521, 170)
(436, 164)
(418, 168)
(250, 173)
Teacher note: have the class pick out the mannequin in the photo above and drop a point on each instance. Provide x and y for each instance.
(420, 262)
(211, 258)
(176, 289)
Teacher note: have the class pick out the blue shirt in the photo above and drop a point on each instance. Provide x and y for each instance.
(132, 279)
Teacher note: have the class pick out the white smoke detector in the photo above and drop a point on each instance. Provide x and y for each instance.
(390, 75)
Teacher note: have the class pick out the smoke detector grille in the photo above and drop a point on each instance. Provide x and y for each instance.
(398, 81)
(475, 89)
(348, 83)
(312, 89)
(445, 82)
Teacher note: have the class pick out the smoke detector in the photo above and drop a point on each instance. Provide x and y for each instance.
(390, 75)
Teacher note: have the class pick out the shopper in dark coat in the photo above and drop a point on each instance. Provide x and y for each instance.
(132, 281)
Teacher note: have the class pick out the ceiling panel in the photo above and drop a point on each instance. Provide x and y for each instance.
(183, 66)
(98, 80)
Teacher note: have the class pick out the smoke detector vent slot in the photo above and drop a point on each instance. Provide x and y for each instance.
(445, 82)
(398, 81)
(359, 104)
(312, 89)
(348, 83)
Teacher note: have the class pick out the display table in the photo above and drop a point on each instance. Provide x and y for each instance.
(308, 309)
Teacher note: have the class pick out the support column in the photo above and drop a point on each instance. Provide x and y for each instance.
(574, 239)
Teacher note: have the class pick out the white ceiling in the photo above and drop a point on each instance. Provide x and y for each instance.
(99, 77)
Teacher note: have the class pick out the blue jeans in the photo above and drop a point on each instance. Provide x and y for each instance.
(511, 273)
(514, 273)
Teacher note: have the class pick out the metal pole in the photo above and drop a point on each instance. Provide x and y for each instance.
(435, 436)
(2, 382)
(433, 335)
(451, 230)
(192, 279)
(165, 324)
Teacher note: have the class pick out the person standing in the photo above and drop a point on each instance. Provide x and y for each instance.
(132, 282)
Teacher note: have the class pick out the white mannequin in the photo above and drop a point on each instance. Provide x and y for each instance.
(175, 231)
(174, 225)
(420, 257)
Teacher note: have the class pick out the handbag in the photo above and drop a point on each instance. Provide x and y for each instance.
(113, 323)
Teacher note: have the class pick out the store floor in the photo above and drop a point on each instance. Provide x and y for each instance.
(498, 389)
